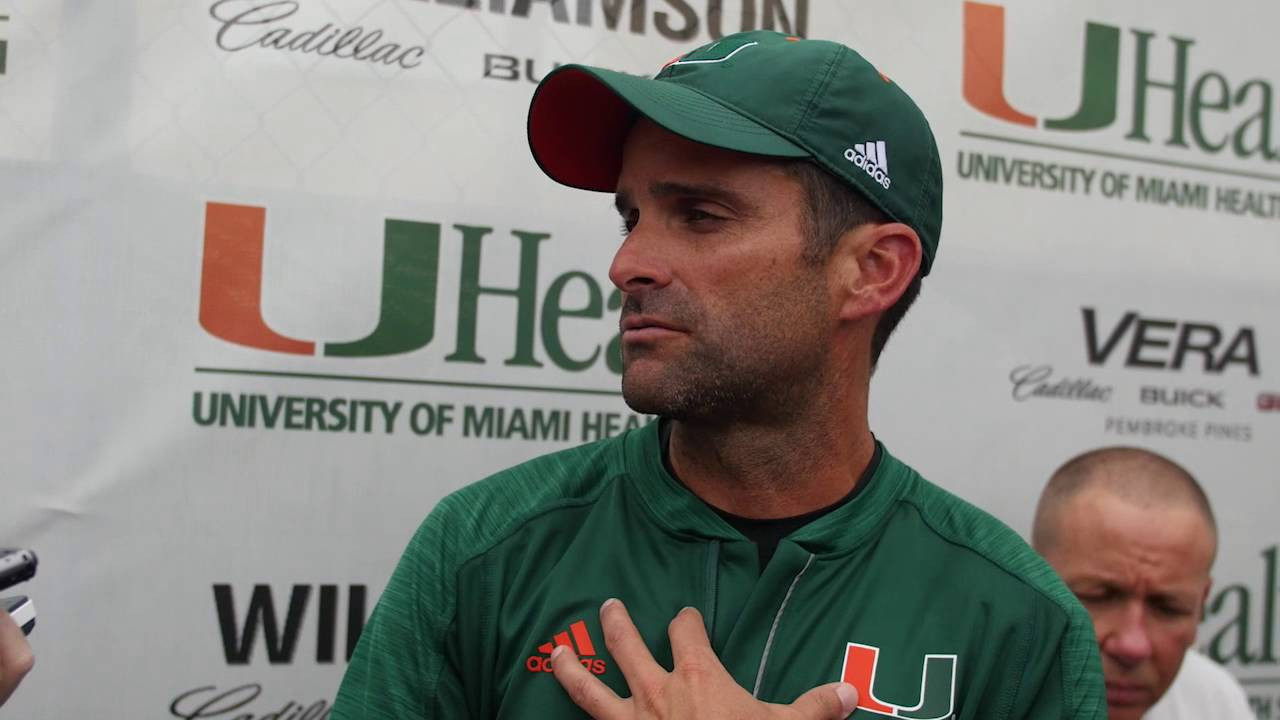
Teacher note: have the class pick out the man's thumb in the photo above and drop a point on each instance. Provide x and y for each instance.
(836, 701)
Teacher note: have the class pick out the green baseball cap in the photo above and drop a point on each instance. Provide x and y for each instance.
(759, 92)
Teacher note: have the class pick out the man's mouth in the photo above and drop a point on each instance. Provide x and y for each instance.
(647, 327)
(1128, 694)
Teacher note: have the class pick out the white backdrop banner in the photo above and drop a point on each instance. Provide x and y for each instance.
(277, 275)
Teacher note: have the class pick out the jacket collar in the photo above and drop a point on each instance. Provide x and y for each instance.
(672, 506)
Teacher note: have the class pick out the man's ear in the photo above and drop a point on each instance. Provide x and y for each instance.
(875, 264)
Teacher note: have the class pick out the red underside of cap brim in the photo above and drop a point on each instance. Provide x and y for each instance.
(577, 127)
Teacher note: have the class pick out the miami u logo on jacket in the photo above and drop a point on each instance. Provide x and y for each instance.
(937, 684)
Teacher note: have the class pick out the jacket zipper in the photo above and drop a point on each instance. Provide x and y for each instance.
(712, 584)
(768, 643)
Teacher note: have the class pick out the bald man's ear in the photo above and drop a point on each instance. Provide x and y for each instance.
(875, 264)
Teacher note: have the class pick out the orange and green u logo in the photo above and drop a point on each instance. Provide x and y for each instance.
(937, 684)
(231, 286)
(984, 56)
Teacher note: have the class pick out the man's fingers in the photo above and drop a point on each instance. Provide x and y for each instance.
(689, 642)
(587, 692)
(642, 672)
(836, 701)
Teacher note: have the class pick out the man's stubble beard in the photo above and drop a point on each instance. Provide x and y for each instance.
(762, 367)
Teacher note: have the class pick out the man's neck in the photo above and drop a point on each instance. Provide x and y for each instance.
(774, 470)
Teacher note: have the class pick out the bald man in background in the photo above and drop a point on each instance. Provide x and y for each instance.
(1132, 534)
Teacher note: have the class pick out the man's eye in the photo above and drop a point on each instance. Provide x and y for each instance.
(696, 216)
(629, 222)
(1099, 595)
(1170, 610)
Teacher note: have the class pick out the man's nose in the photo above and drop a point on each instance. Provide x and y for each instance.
(1129, 641)
(639, 265)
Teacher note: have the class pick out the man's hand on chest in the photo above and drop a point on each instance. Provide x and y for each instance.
(697, 687)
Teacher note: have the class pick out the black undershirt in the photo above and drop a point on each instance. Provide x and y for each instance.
(766, 534)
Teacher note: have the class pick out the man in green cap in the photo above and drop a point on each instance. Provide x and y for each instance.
(781, 200)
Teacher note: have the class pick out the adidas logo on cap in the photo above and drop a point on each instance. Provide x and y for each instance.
(577, 638)
(872, 157)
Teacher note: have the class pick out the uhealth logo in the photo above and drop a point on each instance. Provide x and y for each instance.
(937, 684)
(231, 286)
(1200, 105)
(231, 296)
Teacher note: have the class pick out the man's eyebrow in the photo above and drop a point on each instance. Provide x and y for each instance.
(1097, 581)
(623, 202)
(1172, 597)
(711, 192)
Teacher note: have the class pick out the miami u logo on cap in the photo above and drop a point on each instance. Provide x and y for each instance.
(716, 52)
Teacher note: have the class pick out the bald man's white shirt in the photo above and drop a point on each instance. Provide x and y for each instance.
(1202, 690)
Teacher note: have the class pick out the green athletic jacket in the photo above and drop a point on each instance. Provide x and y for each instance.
(929, 606)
